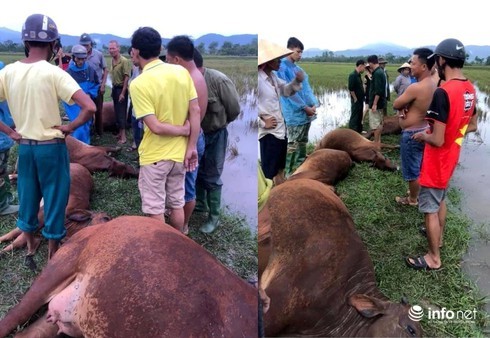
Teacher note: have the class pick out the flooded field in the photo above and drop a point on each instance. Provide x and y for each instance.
(240, 172)
(473, 178)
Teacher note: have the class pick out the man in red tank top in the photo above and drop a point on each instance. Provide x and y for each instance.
(451, 115)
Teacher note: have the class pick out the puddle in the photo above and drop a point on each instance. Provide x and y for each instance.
(471, 175)
(239, 192)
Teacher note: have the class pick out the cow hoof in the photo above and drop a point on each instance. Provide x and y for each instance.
(30, 263)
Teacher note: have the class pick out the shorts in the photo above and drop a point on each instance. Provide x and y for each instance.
(430, 199)
(191, 176)
(161, 185)
(411, 152)
(375, 119)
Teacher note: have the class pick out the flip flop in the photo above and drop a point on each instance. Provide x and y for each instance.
(405, 200)
(419, 263)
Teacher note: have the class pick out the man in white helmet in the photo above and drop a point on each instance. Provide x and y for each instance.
(32, 88)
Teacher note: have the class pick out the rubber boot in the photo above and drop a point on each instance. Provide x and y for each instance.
(214, 203)
(201, 203)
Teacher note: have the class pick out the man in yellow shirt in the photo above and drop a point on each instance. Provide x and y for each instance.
(32, 88)
(164, 96)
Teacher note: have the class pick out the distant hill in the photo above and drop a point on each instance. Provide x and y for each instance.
(386, 48)
(103, 39)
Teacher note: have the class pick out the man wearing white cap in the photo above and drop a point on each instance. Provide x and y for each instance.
(272, 129)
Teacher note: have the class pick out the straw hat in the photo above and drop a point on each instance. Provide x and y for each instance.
(269, 51)
(405, 65)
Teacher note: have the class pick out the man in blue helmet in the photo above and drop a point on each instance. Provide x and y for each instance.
(87, 78)
(32, 88)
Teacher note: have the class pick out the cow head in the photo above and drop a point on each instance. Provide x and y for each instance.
(381, 162)
(80, 219)
(392, 318)
(123, 170)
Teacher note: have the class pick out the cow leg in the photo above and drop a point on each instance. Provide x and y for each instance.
(56, 275)
(39, 329)
(21, 242)
(11, 235)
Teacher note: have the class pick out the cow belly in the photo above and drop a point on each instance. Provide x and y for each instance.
(64, 308)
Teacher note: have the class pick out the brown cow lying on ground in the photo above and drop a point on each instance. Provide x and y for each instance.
(128, 278)
(391, 126)
(358, 147)
(97, 159)
(320, 278)
(108, 116)
(324, 165)
(81, 185)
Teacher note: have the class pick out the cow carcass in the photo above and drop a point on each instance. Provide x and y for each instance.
(136, 277)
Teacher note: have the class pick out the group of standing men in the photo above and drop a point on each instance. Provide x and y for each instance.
(287, 106)
(164, 97)
(375, 92)
(433, 119)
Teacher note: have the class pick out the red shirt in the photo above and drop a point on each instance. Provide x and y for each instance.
(453, 104)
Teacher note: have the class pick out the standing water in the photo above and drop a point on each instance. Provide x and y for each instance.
(239, 194)
(473, 178)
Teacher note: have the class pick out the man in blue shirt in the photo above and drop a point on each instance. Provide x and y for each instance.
(298, 110)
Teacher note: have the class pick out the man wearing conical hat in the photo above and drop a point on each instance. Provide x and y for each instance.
(272, 129)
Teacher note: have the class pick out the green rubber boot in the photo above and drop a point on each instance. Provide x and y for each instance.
(201, 200)
(214, 203)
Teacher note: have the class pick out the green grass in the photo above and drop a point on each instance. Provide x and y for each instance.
(232, 243)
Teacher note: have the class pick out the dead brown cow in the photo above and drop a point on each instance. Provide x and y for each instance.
(108, 116)
(81, 185)
(320, 278)
(97, 159)
(324, 165)
(391, 126)
(128, 278)
(358, 147)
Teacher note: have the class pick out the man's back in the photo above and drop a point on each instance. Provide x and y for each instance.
(163, 90)
(223, 101)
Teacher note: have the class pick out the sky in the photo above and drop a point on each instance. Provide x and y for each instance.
(334, 25)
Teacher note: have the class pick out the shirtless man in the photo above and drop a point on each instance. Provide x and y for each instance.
(412, 107)
(180, 51)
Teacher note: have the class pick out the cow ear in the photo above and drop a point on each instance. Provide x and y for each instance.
(79, 215)
(368, 306)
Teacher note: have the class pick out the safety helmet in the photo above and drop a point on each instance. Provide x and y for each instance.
(39, 27)
(79, 51)
(451, 49)
(85, 39)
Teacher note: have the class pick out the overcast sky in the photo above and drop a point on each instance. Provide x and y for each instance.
(334, 25)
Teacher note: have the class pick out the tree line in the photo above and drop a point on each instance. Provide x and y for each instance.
(391, 58)
(226, 49)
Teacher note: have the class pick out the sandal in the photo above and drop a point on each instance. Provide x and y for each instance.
(406, 201)
(419, 263)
